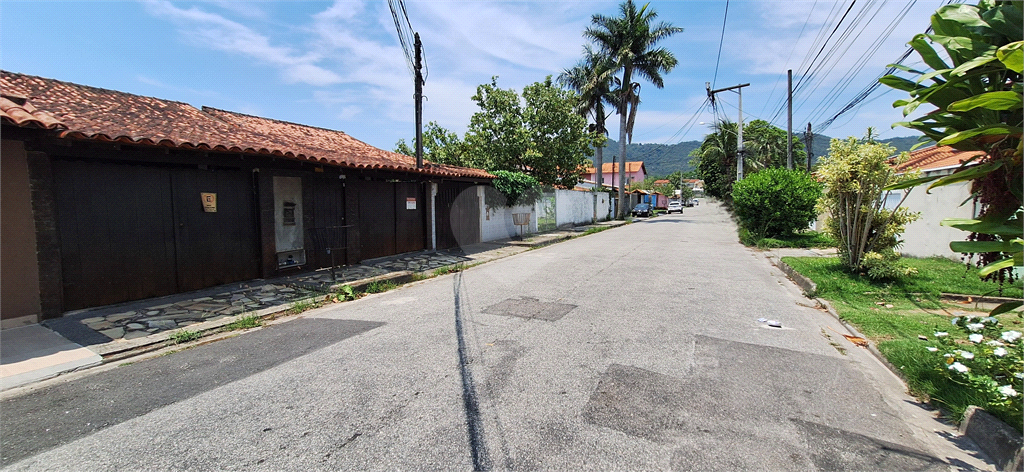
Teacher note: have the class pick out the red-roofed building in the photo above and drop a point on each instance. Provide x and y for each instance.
(635, 172)
(926, 237)
(110, 197)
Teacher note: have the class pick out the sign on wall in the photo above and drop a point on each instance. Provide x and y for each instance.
(410, 203)
(209, 202)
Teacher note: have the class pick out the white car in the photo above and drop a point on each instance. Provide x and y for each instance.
(675, 206)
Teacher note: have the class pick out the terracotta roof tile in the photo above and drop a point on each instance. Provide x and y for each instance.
(936, 157)
(107, 115)
(18, 111)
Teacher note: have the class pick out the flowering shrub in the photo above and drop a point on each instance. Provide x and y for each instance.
(991, 364)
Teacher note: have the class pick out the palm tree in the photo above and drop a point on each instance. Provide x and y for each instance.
(592, 79)
(629, 41)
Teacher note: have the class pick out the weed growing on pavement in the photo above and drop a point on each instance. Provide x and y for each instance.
(184, 336)
(451, 269)
(596, 229)
(915, 329)
(380, 286)
(300, 306)
(245, 322)
(346, 293)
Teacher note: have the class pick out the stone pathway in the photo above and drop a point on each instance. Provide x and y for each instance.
(148, 320)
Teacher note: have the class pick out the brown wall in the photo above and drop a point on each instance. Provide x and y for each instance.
(19, 270)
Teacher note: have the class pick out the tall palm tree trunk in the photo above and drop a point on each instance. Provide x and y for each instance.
(623, 119)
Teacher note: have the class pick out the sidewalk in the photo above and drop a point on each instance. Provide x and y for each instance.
(86, 338)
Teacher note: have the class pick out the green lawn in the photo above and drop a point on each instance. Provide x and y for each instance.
(894, 314)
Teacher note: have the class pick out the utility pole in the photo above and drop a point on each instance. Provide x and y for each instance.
(419, 102)
(809, 138)
(789, 129)
(739, 133)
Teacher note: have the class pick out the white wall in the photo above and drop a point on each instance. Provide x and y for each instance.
(573, 207)
(497, 223)
(925, 237)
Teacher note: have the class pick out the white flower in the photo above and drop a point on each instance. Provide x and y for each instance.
(959, 367)
(976, 338)
(975, 326)
(1007, 391)
(932, 349)
(940, 334)
(1011, 336)
(955, 319)
(967, 354)
(995, 343)
(1019, 375)
(999, 351)
(947, 355)
(989, 320)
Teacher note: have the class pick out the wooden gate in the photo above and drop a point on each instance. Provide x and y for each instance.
(130, 232)
(458, 215)
(389, 222)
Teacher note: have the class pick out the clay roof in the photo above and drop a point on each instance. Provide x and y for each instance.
(661, 181)
(936, 157)
(16, 110)
(85, 112)
(607, 167)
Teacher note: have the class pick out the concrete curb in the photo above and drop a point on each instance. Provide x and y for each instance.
(997, 439)
(1001, 442)
(124, 349)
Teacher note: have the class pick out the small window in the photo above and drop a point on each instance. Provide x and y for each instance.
(288, 215)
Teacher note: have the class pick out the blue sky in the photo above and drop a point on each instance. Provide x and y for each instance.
(339, 65)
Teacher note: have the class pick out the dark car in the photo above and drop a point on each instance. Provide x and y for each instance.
(642, 209)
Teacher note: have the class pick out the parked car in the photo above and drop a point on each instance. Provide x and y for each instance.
(689, 203)
(642, 209)
(676, 206)
(696, 202)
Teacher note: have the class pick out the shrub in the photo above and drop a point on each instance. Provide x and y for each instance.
(989, 367)
(885, 265)
(776, 202)
(855, 174)
(513, 188)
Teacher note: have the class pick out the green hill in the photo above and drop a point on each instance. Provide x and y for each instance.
(664, 159)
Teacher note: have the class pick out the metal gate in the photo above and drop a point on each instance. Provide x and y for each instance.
(390, 218)
(130, 232)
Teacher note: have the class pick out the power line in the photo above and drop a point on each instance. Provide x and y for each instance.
(720, 43)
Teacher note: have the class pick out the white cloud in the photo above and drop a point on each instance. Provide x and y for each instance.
(216, 32)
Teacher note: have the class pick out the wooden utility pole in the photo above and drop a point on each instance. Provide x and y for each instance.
(809, 138)
(789, 128)
(739, 130)
(419, 102)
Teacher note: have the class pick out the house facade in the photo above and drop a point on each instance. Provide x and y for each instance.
(110, 197)
(926, 237)
(635, 172)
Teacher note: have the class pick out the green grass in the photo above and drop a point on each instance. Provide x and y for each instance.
(245, 322)
(596, 229)
(184, 336)
(300, 306)
(380, 286)
(804, 239)
(894, 314)
(451, 269)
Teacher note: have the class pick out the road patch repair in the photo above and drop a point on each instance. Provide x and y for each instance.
(530, 308)
(789, 421)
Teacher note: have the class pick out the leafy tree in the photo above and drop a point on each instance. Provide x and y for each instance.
(591, 78)
(976, 104)
(629, 42)
(715, 160)
(539, 135)
(440, 146)
(765, 146)
(855, 175)
(776, 202)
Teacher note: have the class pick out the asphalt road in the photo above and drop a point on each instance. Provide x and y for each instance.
(636, 348)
